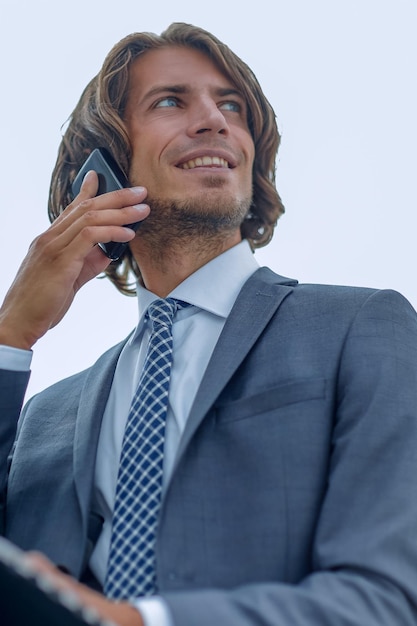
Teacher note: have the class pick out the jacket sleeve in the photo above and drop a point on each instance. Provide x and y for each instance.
(12, 390)
(364, 553)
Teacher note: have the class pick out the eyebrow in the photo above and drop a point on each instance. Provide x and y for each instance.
(185, 89)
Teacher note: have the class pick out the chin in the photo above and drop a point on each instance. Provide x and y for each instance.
(205, 211)
(215, 198)
(212, 203)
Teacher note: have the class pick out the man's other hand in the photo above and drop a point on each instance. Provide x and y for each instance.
(121, 613)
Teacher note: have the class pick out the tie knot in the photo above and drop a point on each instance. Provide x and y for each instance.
(162, 311)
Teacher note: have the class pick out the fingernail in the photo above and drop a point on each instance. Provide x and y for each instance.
(88, 175)
(137, 189)
(140, 207)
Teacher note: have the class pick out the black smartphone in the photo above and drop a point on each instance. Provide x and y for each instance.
(110, 178)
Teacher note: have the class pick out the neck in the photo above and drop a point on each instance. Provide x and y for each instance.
(165, 264)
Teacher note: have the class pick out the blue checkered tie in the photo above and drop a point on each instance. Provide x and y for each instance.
(131, 565)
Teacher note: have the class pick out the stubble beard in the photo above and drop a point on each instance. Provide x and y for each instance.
(203, 221)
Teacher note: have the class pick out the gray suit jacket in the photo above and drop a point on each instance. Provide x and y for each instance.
(294, 496)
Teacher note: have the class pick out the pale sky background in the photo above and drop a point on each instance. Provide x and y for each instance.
(341, 76)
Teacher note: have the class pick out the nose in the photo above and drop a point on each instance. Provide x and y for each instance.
(206, 117)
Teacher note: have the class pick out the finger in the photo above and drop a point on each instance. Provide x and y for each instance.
(91, 228)
(122, 198)
(78, 595)
(39, 562)
(118, 199)
(52, 577)
(89, 186)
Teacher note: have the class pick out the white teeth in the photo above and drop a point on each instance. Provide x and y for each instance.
(204, 161)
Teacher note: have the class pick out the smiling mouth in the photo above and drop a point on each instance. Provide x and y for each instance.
(205, 161)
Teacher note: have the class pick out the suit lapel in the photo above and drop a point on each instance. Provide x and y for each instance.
(93, 401)
(257, 302)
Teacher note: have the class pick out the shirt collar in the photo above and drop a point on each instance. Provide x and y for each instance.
(214, 287)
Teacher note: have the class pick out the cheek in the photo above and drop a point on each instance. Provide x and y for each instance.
(250, 157)
(146, 170)
(149, 148)
(250, 150)
(247, 147)
(136, 169)
(141, 160)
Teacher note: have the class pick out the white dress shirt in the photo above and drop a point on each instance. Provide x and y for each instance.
(212, 290)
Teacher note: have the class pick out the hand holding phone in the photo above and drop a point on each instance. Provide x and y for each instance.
(65, 257)
(111, 178)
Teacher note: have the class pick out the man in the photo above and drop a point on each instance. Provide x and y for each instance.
(289, 491)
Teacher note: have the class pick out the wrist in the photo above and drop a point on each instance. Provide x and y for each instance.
(11, 335)
(15, 340)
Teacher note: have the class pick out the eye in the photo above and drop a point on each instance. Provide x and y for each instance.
(231, 106)
(169, 101)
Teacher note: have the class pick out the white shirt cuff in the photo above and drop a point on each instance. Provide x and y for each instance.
(15, 359)
(154, 611)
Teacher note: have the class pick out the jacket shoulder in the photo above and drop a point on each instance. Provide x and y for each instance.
(327, 293)
(68, 390)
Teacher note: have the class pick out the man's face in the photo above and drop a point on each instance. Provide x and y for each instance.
(191, 145)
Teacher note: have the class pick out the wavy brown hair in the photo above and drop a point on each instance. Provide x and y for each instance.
(98, 121)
